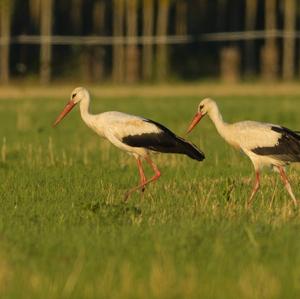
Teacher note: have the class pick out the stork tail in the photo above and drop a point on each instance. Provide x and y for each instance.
(189, 149)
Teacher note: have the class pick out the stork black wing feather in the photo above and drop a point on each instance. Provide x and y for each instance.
(164, 141)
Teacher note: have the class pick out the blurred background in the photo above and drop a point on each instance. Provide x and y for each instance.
(132, 41)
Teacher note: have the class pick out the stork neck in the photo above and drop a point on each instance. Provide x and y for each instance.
(84, 109)
(217, 119)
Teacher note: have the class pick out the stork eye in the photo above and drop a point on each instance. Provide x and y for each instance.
(201, 107)
(73, 95)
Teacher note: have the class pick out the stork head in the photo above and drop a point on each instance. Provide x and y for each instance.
(206, 106)
(77, 95)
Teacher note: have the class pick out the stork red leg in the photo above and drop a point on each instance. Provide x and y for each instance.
(255, 187)
(287, 184)
(142, 185)
(155, 169)
(141, 172)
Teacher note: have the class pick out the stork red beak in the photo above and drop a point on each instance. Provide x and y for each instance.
(195, 121)
(70, 105)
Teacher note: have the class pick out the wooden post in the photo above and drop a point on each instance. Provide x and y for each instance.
(269, 53)
(5, 15)
(289, 41)
(148, 13)
(230, 64)
(46, 31)
(132, 56)
(118, 49)
(162, 30)
(250, 21)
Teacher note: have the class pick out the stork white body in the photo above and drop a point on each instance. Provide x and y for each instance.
(133, 134)
(115, 126)
(265, 144)
(249, 135)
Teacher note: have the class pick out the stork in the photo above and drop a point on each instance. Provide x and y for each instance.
(135, 135)
(265, 144)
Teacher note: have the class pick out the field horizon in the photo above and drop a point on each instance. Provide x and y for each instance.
(56, 90)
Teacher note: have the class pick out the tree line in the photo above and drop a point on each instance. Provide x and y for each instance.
(149, 40)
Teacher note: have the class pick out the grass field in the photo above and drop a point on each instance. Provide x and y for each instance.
(65, 232)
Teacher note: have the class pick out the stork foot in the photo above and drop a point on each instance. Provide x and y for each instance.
(296, 203)
(248, 203)
(128, 193)
(126, 196)
(287, 185)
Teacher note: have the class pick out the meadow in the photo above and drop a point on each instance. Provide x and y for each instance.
(66, 233)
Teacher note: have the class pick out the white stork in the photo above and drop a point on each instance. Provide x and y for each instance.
(265, 144)
(136, 135)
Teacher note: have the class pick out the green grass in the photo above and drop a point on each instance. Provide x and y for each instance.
(65, 232)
